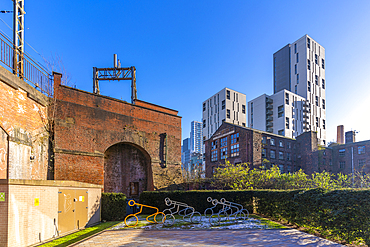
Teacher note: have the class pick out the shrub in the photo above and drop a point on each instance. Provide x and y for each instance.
(113, 206)
(339, 214)
(196, 198)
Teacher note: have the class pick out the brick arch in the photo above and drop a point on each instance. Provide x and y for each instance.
(127, 169)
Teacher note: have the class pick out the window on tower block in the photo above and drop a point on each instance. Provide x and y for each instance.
(323, 104)
(297, 78)
(228, 113)
(316, 59)
(287, 98)
(280, 111)
(223, 105)
(243, 108)
(308, 43)
(309, 86)
(297, 58)
(295, 69)
(317, 100)
(308, 64)
(204, 106)
(316, 79)
(204, 123)
(323, 84)
(287, 123)
(295, 89)
(323, 124)
(227, 94)
(323, 63)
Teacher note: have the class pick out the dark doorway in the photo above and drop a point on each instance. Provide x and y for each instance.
(127, 169)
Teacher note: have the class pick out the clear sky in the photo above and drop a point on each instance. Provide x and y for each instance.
(185, 51)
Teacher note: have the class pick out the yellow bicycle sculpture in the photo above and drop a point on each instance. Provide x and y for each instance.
(133, 203)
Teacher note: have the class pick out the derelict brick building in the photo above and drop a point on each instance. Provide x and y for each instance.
(126, 147)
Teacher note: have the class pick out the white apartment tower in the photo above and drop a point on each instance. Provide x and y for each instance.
(299, 78)
(196, 143)
(227, 105)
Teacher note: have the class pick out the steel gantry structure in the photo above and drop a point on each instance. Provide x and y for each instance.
(115, 74)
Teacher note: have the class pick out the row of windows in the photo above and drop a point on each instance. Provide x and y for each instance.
(272, 142)
(360, 150)
(361, 164)
(273, 155)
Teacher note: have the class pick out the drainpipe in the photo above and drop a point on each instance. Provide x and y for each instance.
(165, 164)
(7, 157)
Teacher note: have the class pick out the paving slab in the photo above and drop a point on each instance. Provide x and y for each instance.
(141, 237)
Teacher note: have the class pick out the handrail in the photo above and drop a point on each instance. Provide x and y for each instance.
(33, 73)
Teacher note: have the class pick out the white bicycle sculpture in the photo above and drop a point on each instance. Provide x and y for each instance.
(187, 212)
(229, 210)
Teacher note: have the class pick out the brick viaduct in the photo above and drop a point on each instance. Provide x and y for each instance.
(126, 147)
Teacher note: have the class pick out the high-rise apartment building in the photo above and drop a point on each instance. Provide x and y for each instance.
(185, 151)
(299, 78)
(225, 106)
(196, 143)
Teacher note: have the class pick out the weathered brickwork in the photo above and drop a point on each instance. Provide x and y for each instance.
(89, 126)
(262, 149)
(256, 148)
(23, 135)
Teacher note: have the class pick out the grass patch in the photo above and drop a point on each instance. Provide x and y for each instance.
(270, 224)
(77, 236)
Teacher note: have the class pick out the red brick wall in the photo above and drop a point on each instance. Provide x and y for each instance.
(23, 117)
(86, 125)
(3, 153)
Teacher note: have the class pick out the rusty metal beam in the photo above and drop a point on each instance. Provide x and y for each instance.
(115, 74)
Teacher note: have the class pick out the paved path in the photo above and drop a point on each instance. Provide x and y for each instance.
(139, 237)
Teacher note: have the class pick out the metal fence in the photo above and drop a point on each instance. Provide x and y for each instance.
(32, 72)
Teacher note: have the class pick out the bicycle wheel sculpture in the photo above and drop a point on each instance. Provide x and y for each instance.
(131, 220)
(187, 212)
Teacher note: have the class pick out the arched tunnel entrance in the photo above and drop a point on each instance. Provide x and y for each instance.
(127, 169)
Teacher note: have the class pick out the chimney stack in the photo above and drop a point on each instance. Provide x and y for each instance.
(340, 134)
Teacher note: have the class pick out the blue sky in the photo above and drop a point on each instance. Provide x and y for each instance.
(185, 51)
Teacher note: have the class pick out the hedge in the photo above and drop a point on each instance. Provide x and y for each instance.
(113, 206)
(196, 198)
(343, 214)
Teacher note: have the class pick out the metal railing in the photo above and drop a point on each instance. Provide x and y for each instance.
(31, 72)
